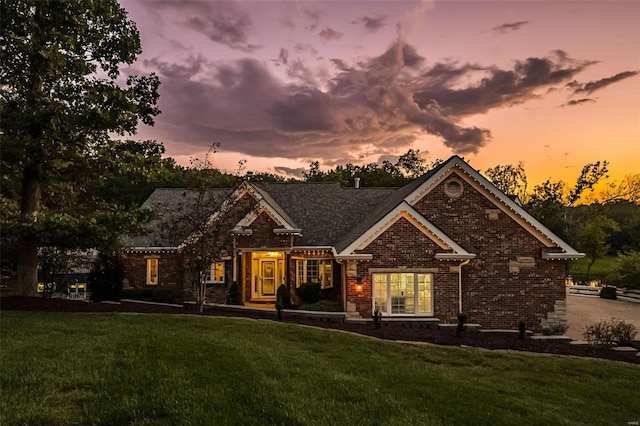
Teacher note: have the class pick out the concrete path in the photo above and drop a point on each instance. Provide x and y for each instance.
(586, 310)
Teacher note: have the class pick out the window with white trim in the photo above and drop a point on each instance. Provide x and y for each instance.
(314, 271)
(215, 273)
(152, 271)
(404, 293)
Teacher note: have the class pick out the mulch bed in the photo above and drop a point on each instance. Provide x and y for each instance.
(387, 331)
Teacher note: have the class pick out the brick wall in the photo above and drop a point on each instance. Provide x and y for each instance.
(170, 270)
(262, 234)
(405, 248)
(509, 281)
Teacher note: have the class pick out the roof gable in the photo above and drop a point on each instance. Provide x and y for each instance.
(510, 207)
(404, 210)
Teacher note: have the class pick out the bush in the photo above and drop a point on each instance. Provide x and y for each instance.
(607, 333)
(283, 296)
(158, 295)
(555, 330)
(324, 306)
(462, 318)
(309, 292)
(234, 297)
(608, 292)
(627, 272)
(105, 278)
(522, 330)
(377, 318)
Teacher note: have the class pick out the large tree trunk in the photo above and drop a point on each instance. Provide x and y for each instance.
(28, 243)
(27, 266)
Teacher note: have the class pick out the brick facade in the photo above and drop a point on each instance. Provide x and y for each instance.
(170, 270)
(506, 283)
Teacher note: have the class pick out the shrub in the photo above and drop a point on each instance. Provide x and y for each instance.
(377, 318)
(627, 271)
(607, 333)
(608, 292)
(555, 330)
(283, 296)
(234, 296)
(462, 318)
(309, 292)
(522, 330)
(105, 278)
(324, 306)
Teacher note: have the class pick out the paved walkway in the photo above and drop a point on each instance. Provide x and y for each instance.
(586, 310)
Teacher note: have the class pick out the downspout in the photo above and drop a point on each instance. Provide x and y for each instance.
(466, 262)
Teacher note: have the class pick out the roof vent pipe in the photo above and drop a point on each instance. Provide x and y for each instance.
(356, 182)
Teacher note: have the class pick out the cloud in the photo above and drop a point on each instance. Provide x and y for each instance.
(222, 22)
(330, 34)
(370, 23)
(579, 102)
(505, 28)
(309, 17)
(497, 88)
(413, 18)
(288, 171)
(592, 86)
(377, 107)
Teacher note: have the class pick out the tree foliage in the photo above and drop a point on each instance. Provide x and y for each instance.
(627, 272)
(408, 166)
(592, 236)
(60, 100)
(510, 179)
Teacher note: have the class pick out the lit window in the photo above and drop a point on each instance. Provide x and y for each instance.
(152, 271)
(215, 274)
(402, 293)
(314, 271)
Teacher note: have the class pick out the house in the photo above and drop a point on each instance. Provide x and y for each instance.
(447, 242)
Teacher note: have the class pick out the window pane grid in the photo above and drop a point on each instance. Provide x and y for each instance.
(402, 293)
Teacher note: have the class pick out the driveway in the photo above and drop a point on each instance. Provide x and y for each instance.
(586, 310)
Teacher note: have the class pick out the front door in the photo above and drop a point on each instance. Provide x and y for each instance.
(268, 273)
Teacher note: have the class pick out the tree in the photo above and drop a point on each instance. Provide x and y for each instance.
(627, 273)
(60, 100)
(592, 236)
(628, 189)
(201, 224)
(510, 179)
(549, 201)
(546, 204)
(411, 164)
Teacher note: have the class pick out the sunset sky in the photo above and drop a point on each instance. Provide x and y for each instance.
(555, 84)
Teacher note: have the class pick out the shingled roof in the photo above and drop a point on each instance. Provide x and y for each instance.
(325, 212)
(381, 209)
(176, 214)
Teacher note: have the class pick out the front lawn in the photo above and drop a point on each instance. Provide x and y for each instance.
(70, 368)
(600, 269)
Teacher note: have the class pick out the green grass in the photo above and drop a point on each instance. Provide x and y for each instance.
(600, 269)
(113, 369)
